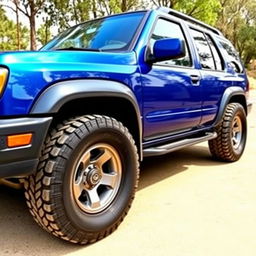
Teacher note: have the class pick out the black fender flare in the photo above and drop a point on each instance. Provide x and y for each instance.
(55, 96)
(227, 95)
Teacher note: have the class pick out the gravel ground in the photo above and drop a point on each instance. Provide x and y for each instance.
(187, 205)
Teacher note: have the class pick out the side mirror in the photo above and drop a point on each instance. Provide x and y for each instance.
(166, 49)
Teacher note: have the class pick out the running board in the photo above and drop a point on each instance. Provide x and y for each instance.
(167, 148)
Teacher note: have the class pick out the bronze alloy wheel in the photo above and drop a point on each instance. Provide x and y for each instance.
(96, 178)
(236, 133)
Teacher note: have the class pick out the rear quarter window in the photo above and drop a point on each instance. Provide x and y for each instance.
(232, 56)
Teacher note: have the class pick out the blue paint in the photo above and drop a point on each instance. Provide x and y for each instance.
(168, 98)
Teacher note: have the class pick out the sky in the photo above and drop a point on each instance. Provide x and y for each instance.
(11, 14)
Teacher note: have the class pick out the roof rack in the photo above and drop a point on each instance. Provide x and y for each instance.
(188, 18)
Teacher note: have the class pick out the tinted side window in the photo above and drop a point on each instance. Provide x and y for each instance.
(233, 56)
(167, 29)
(216, 56)
(204, 51)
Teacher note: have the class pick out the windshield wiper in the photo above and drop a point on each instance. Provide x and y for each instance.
(71, 48)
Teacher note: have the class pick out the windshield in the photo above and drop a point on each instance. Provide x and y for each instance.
(114, 33)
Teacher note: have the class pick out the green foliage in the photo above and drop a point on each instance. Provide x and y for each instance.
(65, 13)
(246, 43)
(44, 33)
(8, 36)
(204, 10)
(237, 21)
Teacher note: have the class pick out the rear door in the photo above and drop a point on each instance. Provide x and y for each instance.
(215, 78)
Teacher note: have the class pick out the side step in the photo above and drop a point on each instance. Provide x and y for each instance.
(167, 148)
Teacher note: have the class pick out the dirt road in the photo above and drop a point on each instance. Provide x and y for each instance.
(187, 205)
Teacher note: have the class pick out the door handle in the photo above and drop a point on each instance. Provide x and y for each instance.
(195, 79)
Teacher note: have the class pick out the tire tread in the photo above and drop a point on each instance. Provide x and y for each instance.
(40, 192)
(220, 147)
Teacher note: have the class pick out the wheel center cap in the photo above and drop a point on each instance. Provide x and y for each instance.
(93, 177)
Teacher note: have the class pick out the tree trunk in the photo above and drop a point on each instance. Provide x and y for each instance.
(46, 31)
(124, 6)
(32, 22)
(94, 9)
(17, 25)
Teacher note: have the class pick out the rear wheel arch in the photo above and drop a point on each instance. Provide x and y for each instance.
(232, 94)
(241, 99)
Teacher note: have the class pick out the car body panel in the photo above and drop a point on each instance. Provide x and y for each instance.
(32, 72)
(168, 104)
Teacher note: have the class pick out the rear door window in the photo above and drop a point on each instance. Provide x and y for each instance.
(217, 58)
(203, 49)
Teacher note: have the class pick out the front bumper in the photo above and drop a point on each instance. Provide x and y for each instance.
(21, 161)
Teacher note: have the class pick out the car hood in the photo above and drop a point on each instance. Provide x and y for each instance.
(66, 57)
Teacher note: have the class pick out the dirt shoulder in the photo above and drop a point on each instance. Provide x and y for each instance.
(187, 205)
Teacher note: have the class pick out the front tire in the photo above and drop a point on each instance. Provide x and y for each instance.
(231, 134)
(86, 179)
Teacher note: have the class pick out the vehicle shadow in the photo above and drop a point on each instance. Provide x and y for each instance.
(155, 169)
(21, 235)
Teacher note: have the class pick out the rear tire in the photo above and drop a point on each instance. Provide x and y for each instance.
(232, 132)
(86, 179)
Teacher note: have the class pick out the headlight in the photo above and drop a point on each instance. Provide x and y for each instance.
(3, 78)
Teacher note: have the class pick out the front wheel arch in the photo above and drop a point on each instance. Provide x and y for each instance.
(85, 96)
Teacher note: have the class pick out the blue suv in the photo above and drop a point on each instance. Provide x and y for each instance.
(77, 116)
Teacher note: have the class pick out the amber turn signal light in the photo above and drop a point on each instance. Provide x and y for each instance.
(3, 77)
(19, 140)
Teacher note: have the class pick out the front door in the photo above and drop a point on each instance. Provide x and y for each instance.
(172, 93)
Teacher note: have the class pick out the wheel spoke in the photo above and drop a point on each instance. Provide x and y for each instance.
(85, 160)
(93, 198)
(102, 159)
(109, 180)
(235, 141)
(78, 186)
(236, 129)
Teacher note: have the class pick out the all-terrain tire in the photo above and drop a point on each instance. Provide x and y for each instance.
(51, 193)
(232, 132)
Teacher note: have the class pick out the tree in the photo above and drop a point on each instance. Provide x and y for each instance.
(16, 2)
(117, 6)
(65, 13)
(44, 32)
(246, 43)
(237, 21)
(31, 9)
(204, 10)
(165, 3)
(229, 17)
(8, 34)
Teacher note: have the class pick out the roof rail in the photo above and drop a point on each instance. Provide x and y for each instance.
(188, 18)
